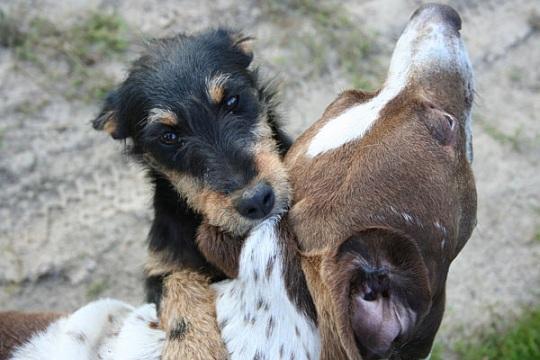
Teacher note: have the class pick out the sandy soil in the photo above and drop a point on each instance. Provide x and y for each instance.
(74, 211)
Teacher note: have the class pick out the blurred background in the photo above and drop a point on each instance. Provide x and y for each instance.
(74, 211)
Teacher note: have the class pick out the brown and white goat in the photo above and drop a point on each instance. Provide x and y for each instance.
(384, 196)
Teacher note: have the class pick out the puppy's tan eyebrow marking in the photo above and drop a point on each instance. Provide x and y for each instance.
(215, 87)
(165, 117)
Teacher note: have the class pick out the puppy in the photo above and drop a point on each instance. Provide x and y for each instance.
(205, 127)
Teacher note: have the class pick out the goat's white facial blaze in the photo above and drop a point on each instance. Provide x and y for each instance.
(353, 123)
(426, 46)
(256, 316)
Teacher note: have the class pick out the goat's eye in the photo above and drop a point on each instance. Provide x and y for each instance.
(169, 138)
(231, 102)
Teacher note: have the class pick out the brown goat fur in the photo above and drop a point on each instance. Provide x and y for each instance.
(379, 217)
(18, 327)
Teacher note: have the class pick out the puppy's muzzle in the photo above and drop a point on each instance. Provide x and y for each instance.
(256, 202)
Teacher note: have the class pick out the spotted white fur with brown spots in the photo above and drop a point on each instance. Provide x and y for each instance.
(258, 320)
(102, 330)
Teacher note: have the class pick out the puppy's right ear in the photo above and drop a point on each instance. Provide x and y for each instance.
(108, 119)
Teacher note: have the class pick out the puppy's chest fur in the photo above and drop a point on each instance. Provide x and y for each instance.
(256, 316)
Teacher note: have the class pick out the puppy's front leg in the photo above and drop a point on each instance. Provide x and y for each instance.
(188, 316)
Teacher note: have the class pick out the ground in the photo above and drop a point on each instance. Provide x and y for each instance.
(74, 211)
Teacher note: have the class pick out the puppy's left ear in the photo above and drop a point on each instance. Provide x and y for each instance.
(108, 119)
(244, 44)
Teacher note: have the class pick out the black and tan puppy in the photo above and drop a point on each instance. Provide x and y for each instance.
(204, 125)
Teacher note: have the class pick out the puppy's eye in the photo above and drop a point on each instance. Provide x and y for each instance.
(169, 138)
(231, 102)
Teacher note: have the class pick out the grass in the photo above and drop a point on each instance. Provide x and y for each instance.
(68, 54)
(510, 139)
(514, 140)
(96, 288)
(334, 42)
(11, 288)
(536, 236)
(437, 352)
(515, 74)
(31, 106)
(522, 342)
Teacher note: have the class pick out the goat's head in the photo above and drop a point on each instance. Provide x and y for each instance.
(384, 196)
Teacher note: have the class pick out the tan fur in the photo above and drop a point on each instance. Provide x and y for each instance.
(189, 318)
(220, 248)
(215, 88)
(164, 117)
(110, 127)
(157, 264)
(110, 123)
(244, 43)
(17, 327)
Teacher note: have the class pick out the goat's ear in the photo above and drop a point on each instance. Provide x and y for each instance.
(108, 119)
(387, 286)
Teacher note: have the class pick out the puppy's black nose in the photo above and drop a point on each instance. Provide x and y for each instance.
(256, 202)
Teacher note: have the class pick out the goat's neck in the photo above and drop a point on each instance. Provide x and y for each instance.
(267, 312)
(331, 346)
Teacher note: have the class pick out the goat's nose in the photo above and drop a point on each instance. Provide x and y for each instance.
(444, 12)
(256, 202)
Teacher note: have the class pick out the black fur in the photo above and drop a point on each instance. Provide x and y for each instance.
(211, 138)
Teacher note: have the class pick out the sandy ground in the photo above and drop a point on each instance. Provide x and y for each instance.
(74, 211)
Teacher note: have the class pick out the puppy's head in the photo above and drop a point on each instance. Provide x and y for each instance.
(198, 116)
